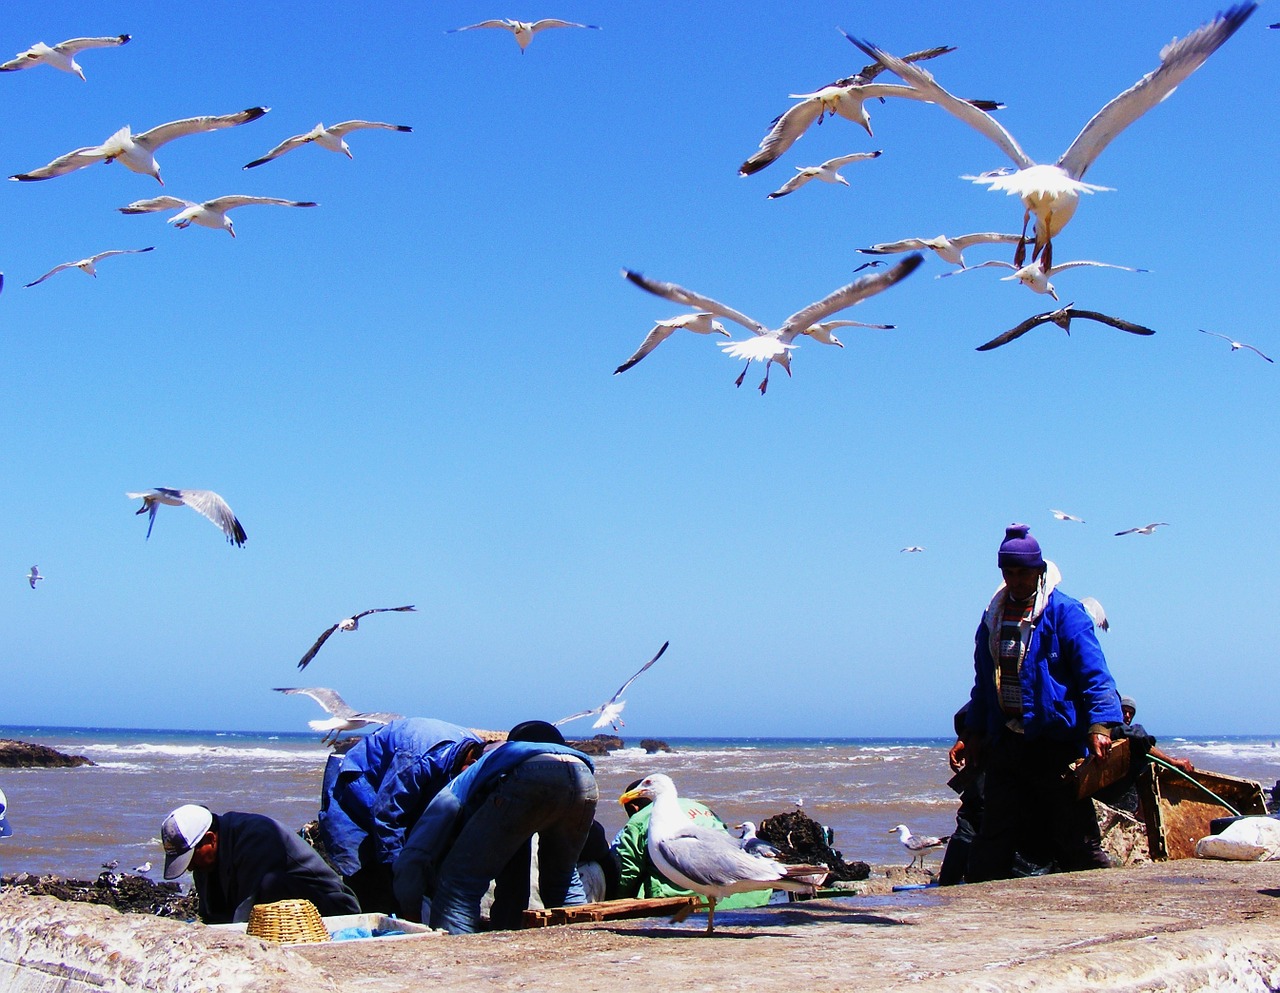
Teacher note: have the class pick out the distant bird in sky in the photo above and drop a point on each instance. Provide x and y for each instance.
(524, 30)
(912, 548)
(332, 138)
(34, 576)
(918, 846)
(753, 845)
(1237, 344)
(343, 717)
(701, 323)
(137, 152)
(205, 502)
(62, 55)
(948, 249)
(828, 172)
(1034, 276)
(1145, 529)
(1052, 192)
(1095, 611)
(347, 624)
(1062, 515)
(706, 860)
(89, 265)
(1063, 318)
(775, 346)
(211, 213)
(143, 869)
(611, 710)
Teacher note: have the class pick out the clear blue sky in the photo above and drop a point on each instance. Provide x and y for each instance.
(407, 396)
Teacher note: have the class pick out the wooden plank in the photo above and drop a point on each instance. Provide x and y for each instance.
(1093, 774)
(607, 910)
(1182, 812)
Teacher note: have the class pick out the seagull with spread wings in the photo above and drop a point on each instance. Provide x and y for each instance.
(769, 346)
(90, 265)
(347, 624)
(701, 323)
(1052, 191)
(205, 502)
(1034, 276)
(333, 138)
(1235, 345)
(1145, 529)
(948, 249)
(611, 710)
(828, 172)
(34, 576)
(524, 30)
(1062, 317)
(62, 55)
(1062, 515)
(211, 213)
(343, 717)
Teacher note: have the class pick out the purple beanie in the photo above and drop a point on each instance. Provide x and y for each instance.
(1019, 548)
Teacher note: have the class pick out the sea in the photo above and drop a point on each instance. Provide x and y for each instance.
(70, 822)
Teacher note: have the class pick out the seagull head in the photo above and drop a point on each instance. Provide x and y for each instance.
(649, 788)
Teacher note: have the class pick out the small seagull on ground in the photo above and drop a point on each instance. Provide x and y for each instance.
(343, 717)
(62, 55)
(205, 502)
(89, 265)
(211, 213)
(828, 172)
(1095, 611)
(143, 869)
(611, 710)
(948, 249)
(34, 576)
(918, 846)
(912, 548)
(347, 624)
(1236, 344)
(1062, 515)
(113, 864)
(753, 845)
(1145, 529)
(524, 30)
(1061, 317)
(331, 138)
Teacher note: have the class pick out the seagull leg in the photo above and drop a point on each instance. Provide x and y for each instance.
(1046, 257)
(1020, 253)
(683, 912)
(711, 914)
(742, 375)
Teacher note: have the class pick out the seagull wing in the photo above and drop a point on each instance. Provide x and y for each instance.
(378, 717)
(346, 127)
(554, 22)
(311, 652)
(577, 716)
(1244, 344)
(1115, 322)
(1216, 335)
(1178, 60)
(156, 203)
(713, 859)
(73, 45)
(1061, 266)
(659, 334)
(120, 251)
(382, 610)
(832, 325)
(794, 183)
(871, 71)
(64, 164)
(1127, 531)
(847, 296)
(55, 269)
(1017, 332)
(844, 160)
(288, 145)
(1095, 611)
(989, 264)
(324, 696)
(896, 247)
(783, 132)
(157, 136)
(985, 238)
(678, 294)
(215, 508)
(623, 688)
(483, 24)
(222, 204)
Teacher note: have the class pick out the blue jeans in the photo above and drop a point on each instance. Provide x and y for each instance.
(546, 796)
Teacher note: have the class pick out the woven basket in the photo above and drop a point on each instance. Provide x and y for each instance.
(286, 922)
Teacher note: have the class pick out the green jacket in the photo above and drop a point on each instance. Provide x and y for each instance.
(640, 878)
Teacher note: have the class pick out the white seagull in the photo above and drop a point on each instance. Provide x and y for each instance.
(918, 846)
(1145, 529)
(948, 249)
(843, 98)
(62, 55)
(34, 576)
(143, 869)
(611, 710)
(205, 502)
(331, 138)
(524, 30)
(343, 716)
(1237, 344)
(1061, 317)
(775, 346)
(347, 624)
(912, 548)
(1035, 276)
(90, 264)
(1096, 613)
(211, 213)
(1052, 192)
(137, 152)
(704, 860)
(753, 845)
(1062, 515)
(828, 172)
(701, 323)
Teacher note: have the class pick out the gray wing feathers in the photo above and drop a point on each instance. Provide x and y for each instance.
(678, 294)
(847, 296)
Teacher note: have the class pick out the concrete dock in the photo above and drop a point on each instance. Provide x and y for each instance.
(1173, 926)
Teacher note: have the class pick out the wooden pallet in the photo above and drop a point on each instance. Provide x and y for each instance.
(608, 910)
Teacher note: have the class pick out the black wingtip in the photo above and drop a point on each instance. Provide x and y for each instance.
(124, 39)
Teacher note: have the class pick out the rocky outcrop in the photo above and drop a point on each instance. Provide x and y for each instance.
(601, 744)
(652, 745)
(127, 893)
(25, 755)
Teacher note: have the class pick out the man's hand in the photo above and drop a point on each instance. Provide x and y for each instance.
(955, 757)
(1099, 745)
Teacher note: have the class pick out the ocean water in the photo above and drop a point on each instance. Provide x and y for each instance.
(70, 821)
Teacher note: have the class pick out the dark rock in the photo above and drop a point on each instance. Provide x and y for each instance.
(652, 745)
(601, 744)
(128, 894)
(25, 755)
(803, 841)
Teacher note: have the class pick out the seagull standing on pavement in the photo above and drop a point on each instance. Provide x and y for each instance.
(611, 710)
(332, 138)
(90, 265)
(348, 624)
(524, 30)
(62, 55)
(205, 502)
(1237, 344)
(828, 172)
(918, 846)
(343, 717)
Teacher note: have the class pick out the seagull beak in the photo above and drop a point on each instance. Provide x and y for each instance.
(630, 795)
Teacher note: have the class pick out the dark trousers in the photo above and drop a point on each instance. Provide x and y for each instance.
(1029, 803)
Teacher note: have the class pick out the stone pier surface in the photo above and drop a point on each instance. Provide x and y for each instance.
(1174, 926)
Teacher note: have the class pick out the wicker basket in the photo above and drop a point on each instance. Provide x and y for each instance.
(287, 922)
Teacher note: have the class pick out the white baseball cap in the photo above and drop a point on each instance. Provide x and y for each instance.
(180, 833)
(5, 830)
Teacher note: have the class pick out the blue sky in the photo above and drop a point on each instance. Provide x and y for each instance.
(407, 396)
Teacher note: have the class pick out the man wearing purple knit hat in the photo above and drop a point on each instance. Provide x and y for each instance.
(1042, 697)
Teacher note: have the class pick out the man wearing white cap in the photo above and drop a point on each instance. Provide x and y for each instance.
(238, 860)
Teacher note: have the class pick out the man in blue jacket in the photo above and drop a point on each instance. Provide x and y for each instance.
(1042, 697)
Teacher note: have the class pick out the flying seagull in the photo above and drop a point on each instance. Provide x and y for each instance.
(1062, 515)
(524, 30)
(1096, 613)
(89, 265)
(828, 172)
(34, 576)
(211, 213)
(331, 138)
(1061, 317)
(705, 860)
(1035, 276)
(1145, 529)
(1052, 192)
(346, 624)
(912, 548)
(775, 346)
(205, 502)
(343, 717)
(948, 249)
(62, 55)
(611, 710)
(918, 846)
(843, 98)
(137, 152)
(701, 323)
(1236, 344)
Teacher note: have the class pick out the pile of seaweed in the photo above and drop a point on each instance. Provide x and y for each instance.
(802, 840)
(129, 894)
